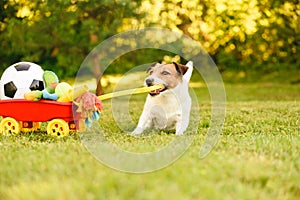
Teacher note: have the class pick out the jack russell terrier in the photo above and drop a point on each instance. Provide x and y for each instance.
(167, 108)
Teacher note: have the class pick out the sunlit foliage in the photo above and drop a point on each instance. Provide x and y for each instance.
(239, 34)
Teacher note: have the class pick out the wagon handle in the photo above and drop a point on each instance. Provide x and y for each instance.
(82, 89)
(130, 91)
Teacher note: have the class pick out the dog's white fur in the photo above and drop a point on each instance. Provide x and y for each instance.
(170, 109)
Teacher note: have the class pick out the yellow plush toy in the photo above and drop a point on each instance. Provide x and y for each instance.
(66, 93)
(63, 91)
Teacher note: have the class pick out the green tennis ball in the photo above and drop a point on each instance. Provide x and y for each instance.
(62, 89)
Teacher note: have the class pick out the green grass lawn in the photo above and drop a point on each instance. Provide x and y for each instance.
(256, 157)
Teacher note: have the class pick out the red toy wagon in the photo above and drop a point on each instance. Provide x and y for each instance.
(23, 115)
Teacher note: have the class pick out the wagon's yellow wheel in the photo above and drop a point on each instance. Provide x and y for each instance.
(58, 128)
(9, 125)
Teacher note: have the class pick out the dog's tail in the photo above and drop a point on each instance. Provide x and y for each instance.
(188, 73)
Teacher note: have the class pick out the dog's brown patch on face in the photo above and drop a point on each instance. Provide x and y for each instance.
(166, 73)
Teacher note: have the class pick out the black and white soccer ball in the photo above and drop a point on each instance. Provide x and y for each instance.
(19, 79)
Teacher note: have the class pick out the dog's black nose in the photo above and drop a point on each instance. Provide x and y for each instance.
(149, 81)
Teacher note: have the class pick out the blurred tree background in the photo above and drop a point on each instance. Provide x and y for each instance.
(240, 35)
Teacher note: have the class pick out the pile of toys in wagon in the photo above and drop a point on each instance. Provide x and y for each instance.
(29, 95)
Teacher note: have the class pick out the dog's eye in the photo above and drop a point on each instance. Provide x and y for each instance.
(165, 73)
(151, 72)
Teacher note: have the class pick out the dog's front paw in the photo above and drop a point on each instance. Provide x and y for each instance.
(179, 132)
(137, 130)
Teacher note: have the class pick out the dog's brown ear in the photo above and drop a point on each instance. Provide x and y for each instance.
(151, 66)
(181, 69)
